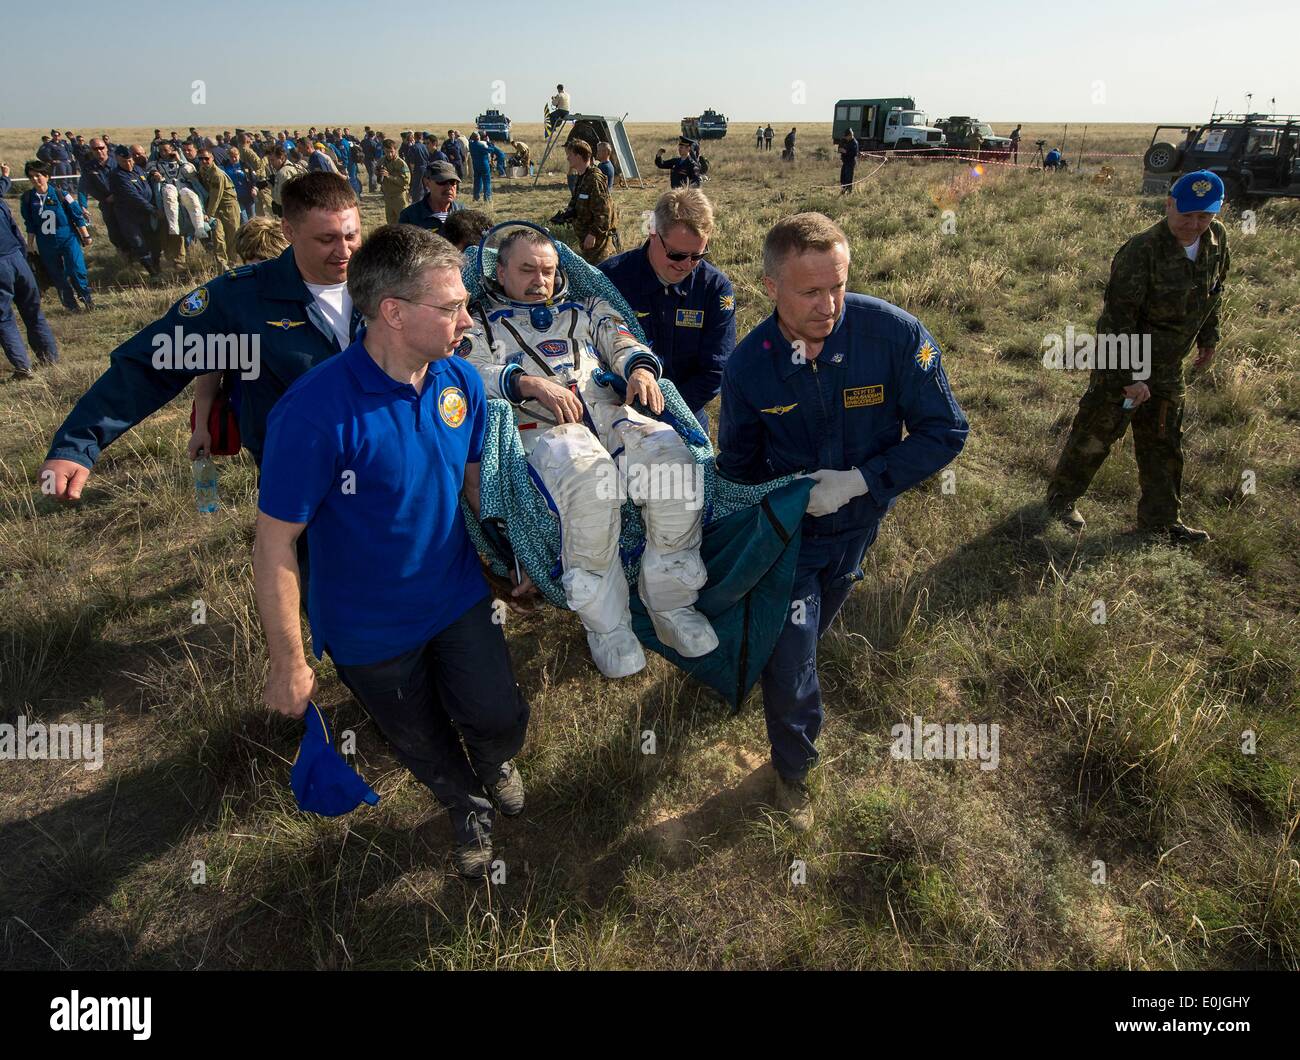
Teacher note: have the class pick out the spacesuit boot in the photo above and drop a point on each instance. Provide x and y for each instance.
(601, 601)
(669, 585)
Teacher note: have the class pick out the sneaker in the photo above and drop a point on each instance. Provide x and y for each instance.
(1066, 513)
(1186, 535)
(22, 373)
(793, 797)
(507, 790)
(473, 859)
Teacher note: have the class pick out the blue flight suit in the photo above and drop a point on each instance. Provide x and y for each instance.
(134, 210)
(53, 220)
(245, 191)
(481, 153)
(685, 171)
(94, 183)
(691, 326)
(782, 413)
(456, 156)
(419, 214)
(416, 156)
(18, 289)
(268, 299)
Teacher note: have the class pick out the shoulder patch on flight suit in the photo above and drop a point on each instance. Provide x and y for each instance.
(926, 356)
(856, 397)
(726, 302)
(690, 318)
(194, 303)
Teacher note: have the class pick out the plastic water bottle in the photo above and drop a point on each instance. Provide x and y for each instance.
(205, 484)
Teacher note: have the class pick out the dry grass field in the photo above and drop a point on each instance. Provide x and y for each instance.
(1123, 828)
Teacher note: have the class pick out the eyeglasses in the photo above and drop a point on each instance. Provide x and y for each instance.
(677, 255)
(454, 310)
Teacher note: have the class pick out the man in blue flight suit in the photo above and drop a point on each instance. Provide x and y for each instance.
(57, 226)
(55, 154)
(133, 206)
(94, 184)
(18, 289)
(685, 305)
(685, 167)
(825, 385)
(296, 305)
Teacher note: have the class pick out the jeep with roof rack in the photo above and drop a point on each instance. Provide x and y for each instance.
(1255, 155)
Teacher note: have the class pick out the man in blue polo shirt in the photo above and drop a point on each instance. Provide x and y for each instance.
(375, 446)
(825, 385)
(685, 305)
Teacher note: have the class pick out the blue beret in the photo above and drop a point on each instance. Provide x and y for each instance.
(1201, 191)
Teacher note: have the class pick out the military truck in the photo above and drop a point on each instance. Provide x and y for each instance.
(885, 124)
(495, 125)
(708, 126)
(1257, 156)
(959, 130)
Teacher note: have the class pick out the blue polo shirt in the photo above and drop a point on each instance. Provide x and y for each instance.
(375, 471)
(691, 325)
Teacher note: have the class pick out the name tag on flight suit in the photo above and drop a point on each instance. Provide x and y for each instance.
(857, 396)
(690, 318)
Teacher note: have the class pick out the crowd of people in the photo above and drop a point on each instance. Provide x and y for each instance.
(376, 358)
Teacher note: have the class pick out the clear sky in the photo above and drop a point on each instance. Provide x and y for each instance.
(77, 63)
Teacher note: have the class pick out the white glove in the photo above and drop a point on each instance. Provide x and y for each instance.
(834, 490)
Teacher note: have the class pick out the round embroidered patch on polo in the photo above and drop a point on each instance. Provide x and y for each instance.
(452, 406)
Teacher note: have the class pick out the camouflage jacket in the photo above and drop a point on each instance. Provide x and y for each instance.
(396, 178)
(593, 212)
(1155, 289)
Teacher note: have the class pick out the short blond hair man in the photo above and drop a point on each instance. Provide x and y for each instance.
(826, 385)
(685, 304)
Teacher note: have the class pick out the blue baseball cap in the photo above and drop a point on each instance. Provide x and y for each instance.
(322, 782)
(1199, 192)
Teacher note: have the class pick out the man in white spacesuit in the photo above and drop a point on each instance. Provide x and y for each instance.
(556, 358)
(179, 181)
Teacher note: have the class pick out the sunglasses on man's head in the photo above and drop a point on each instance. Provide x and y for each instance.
(678, 255)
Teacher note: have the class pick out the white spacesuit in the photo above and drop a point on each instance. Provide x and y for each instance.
(177, 189)
(584, 469)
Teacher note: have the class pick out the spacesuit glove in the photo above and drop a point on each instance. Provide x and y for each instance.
(834, 489)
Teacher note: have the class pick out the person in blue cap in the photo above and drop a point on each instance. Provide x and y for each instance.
(19, 291)
(58, 229)
(685, 305)
(826, 385)
(376, 446)
(1166, 283)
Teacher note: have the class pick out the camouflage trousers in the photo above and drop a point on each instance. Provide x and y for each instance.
(1157, 441)
(392, 209)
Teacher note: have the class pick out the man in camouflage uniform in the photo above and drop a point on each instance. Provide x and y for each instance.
(591, 211)
(256, 166)
(394, 178)
(1165, 282)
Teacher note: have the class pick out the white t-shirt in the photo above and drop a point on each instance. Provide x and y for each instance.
(336, 304)
(1191, 251)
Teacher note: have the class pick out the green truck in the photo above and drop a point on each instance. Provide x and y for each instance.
(885, 124)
